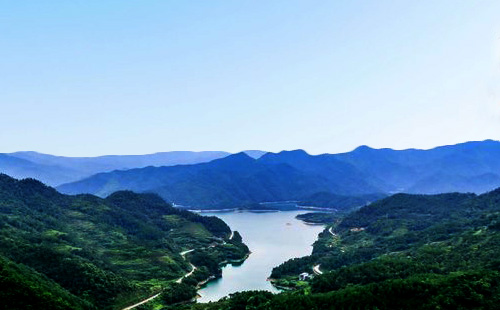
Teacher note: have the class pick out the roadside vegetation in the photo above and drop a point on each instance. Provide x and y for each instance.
(84, 252)
(403, 252)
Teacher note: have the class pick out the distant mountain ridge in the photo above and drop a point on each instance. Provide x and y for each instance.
(56, 170)
(20, 168)
(296, 175)
(465, 167)
(230, 181)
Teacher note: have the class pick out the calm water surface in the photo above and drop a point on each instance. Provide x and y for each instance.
(272, 238)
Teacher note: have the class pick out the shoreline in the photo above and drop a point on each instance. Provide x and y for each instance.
(285, 219)
(211, 278)
(235, 261)
(231, 210)
(279, 287)
(223, 264)
(313, 223)
(298, 208)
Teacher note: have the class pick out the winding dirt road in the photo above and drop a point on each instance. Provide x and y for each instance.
(316, 270)
(330, 230)
(142, 302)
(193, 268)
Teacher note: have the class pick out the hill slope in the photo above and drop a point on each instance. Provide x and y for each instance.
(465, 167)
(402, 252)
(226, 182)
(56, 170)
(21, 168)
(103, 252)
(295, 175)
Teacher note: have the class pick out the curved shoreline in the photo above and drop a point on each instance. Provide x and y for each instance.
(281, 228)
(200, 284)
(222, 264)
(232, 210)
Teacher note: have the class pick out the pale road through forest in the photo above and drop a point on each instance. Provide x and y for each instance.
(316, 269)
(193, 268)
(142, 302)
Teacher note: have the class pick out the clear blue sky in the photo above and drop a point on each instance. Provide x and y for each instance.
(134, 77)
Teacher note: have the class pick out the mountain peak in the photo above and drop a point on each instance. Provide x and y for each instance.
(298, 152)
(286, 154)
(234, 160)
(363, 148)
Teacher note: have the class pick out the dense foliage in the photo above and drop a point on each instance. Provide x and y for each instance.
(102, 252)
(472, 290)
(23, 288)
(319, 217)
(233, 181)
(403, 252)
(339, 181)
(178, 292)
(339, 202)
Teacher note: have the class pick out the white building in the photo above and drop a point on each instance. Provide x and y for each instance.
(304, 276)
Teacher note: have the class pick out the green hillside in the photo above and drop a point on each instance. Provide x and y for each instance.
(336, 181)
(102, 253)
(23, 288)
(234, 181)
(403, 252)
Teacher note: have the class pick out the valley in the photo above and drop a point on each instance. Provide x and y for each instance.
(220, 180)
(278, 237)
(250, 155)
(97, 244)
(341, 181)
(405, 251)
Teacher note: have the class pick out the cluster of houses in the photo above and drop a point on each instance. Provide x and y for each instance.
(305, 276)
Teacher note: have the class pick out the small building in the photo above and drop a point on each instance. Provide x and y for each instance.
(304, 276)
(357, 229)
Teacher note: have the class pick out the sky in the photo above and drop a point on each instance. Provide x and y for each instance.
(92, 77)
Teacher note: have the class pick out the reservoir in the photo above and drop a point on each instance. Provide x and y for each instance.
(273, 238)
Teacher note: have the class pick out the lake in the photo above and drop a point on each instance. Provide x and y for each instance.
(273, 238)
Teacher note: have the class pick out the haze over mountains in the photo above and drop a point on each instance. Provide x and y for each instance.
(56, 170)
(295, 175)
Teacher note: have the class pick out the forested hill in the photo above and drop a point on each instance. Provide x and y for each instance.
(85, 252)
(56, 170)
(402, 252)
(226, 182)
(329, 180)
(402, 222)
(466, 167)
